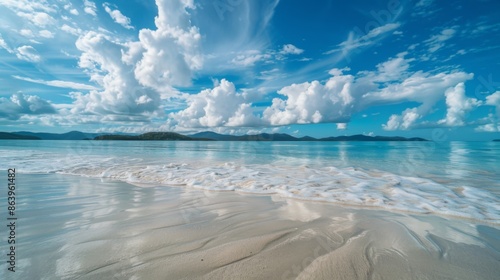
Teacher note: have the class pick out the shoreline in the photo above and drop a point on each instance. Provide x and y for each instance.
(305, 199)
(93, 228)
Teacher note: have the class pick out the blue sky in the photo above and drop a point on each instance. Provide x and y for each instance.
(322, 68)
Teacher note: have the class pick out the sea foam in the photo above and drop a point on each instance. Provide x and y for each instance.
(346, 186)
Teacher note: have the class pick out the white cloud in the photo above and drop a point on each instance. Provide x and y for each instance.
(355, 41)
(312, 102)
(458, 106)
(436, 42)
(217, 107)
(291, 49)
(28, 53)
(343, 95)
(249, 58)
(69, 7)
(422, 8)
(494, 125)
(57, 83)
(46, 34)
(28, 5)
(341, 126)
(171, 52)
(26, 33)
(133, 74)
(491, 127)
(118, 17)
(19, 104)
(39, 19)
(274, 73)
(419, 87)
(494, 100)
(392, 70)
(4, 45)
(121, 94)
(90, 8)
(71, 30)
(404, 121)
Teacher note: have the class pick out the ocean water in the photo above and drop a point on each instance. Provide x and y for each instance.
(459, 179)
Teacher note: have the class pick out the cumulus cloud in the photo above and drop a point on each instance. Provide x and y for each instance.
(217, 107)
(491, 127)
(494, 123)
(342, 126)
(26, 33)
(28, 5)
(342, 95)
(458, 106)
(121, 94)
(19, 104)
(71, 30)
(40, 19)
(494, 100)
(171, 52)
(117, 16)
(134, 76)
(90, 8)
(404, 121)
(313, 102)
(46, 34)
(69, 7)
(428, 91)
(28, 53)
(291, 49)
(337, 99)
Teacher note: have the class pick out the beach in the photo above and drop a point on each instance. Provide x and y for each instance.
(73, 227)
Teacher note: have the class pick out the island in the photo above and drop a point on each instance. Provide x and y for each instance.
(201, 136)
(212, 136)
(150, 136)
(13, 136)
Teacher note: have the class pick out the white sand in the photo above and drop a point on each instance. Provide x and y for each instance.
(117, 231)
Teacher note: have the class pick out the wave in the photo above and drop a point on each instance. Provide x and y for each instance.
(347, 186)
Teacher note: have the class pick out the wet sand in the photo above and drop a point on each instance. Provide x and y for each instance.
(80, 228)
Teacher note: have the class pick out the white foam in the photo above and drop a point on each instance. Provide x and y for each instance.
(351, 186)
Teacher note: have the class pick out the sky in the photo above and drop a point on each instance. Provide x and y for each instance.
(415, 68)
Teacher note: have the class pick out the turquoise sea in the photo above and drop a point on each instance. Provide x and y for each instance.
(458, 179)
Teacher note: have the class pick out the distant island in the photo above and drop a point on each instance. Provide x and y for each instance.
(152, 136)
(72, 135)
(7, 135)
(202, 136)
(212, 136)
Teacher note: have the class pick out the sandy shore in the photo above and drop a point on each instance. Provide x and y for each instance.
(81, 228)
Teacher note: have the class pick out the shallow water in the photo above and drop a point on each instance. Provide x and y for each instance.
(72, 227)
(447, 178)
